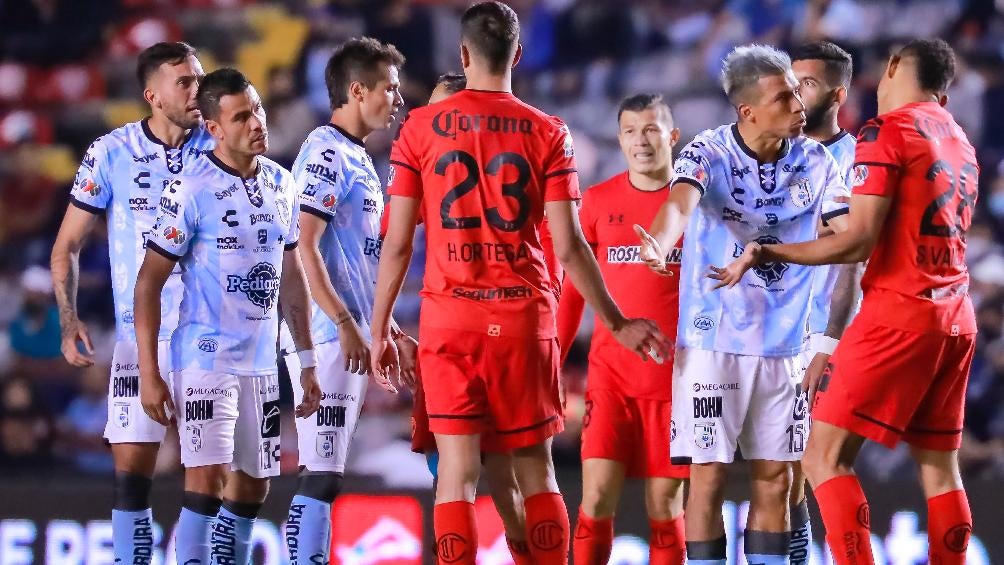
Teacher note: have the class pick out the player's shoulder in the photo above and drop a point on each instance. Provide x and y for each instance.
(805, 148)
(274, 171)
(202, 139)
(121, 139)
(713, 141)
(606, 188)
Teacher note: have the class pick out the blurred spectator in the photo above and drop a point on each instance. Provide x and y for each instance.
(34, 333)
(82, 425)
(48, 32)
(26, 430)
(290, 118)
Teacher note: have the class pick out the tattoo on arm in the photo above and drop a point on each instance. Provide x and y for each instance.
(845, 295)
(66, 296)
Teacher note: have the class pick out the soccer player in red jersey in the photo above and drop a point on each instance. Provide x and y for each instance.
(628, 422)
(901, 368)
(483, 166)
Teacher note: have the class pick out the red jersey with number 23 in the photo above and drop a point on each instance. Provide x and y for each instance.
(483, 164)
(916, 278)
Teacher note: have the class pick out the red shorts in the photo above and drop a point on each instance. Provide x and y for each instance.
(634, 431)
(888, 385)
(492, 385)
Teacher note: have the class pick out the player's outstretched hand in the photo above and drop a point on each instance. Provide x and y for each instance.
(77, 330)
(733, 273)
(311, 393)
(813, 375)
(156, 399)
(384, 362)
(407, 350)
(644, 338)
(357, 354)
(650, 251)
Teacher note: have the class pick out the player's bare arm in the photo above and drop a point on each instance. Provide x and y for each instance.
(395, 255)
(865, 221)
(570, 247)
(294, 300)
(350, 336)
(65, 266)
(153, 392)
(668, 225)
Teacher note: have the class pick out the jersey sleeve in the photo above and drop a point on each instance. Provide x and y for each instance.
(293, 234)
(835, 192)
(92, 190)
(404, 177)
(587, 219)
(561, 178)
(878, 158)
(320, 179)
(694, 165)
(177, 221)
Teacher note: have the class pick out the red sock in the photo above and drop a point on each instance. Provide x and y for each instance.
(456, 533)
(547, 528)
(845, 516)
(594, 539)
(667, 542)
(520, 551)
(949, 524)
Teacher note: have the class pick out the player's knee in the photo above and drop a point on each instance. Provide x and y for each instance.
(599, 500)
(772, 483)
(208, 480)
(319, 486)
(664, 501)
(247, 489)
(132, 492)
(708, 480)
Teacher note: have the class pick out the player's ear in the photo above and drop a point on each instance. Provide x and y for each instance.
(519, 54)
(356, 90)
(674, 137)
(840, 95)
(943, 99)
(893, 65)
(214, 128)
(465, 56)
(151, 97)
(745, 112)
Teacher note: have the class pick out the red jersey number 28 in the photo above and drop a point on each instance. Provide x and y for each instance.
(958, 182)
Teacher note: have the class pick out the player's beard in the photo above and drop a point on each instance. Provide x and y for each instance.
(817, 115)
(181, 118)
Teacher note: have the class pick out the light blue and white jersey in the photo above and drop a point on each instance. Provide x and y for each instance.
(228, 233)
(122, 176)
(743, 200)
(337, 183)
(825, 276)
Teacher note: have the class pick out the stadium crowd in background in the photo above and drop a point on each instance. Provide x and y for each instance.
(56, 96)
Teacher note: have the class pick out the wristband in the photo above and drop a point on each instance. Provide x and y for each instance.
(308, 359)
(821, 343)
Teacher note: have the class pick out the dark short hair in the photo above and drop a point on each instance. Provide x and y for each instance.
(935, 63)
(358, 59)
(492, 30)
(151, 58)
(454, 82)
(837, 63)
(643, 101)
(216, 85)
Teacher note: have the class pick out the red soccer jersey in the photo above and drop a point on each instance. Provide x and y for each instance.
(608, 214)
(483, 164)
(916, 278)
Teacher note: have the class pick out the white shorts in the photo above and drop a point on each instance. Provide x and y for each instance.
(323, 438)
(127, 422)
(228, 419)
(722, 401)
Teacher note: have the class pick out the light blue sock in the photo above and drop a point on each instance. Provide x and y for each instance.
(766, 548)
(230, 541)
(191, 538)
(132, 536)
(308, 530)
(801, 535)
(432, 460)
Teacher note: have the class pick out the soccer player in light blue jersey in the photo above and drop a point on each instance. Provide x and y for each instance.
(230, 222)
(341, 203)
(121, 177)
(824, 74)
(735, 381)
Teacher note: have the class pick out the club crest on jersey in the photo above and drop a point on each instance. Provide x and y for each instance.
(173, 158)
(801, 192)
(772, 272)
(390, 175)
(325, 444)
(261, 285)
(704, 435)
(194, 443)
(122, 415)
(174, 234)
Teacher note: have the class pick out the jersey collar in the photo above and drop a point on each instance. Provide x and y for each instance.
(785, 146)
(349, 136)
(145, 123)
(230, 170)
(840, 135)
